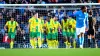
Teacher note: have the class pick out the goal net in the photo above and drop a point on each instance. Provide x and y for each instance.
(43, 37)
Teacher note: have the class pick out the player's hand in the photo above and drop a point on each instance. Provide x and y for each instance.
(74, 12)
(5, 29)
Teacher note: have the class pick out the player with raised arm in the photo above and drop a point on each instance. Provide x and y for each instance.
(11, 25)
(81, 24)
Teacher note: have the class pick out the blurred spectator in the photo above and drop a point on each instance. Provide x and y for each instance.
(59, 14)
(10, 1)
(78, 1)
(1, 37)
(98, 18)
(26, 29)
(2, 2)
(4, 12)
(66, 1)
(49, 1)
(24, 2)
(2, 23)
(18, 18)
(99, 29)
(54, 1)
(24, 18)
(17, 2)
(98, 33)
(98, 1)
(41, 2)
(94, 1)
(72, 1)
(33, 2)
(22, 25)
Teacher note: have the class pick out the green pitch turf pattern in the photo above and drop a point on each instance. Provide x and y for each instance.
(50, 52)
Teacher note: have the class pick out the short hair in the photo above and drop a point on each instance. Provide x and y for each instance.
(65, 17)
(83, 7)
(12, 17)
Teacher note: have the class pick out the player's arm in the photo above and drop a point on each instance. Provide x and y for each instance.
(59, 26)
(46, 27)
(18, 27)
(62, 23)
(5, 27)
(74, 24)
(86, 23)
(67, 25)
(29, 22)
(75, 13)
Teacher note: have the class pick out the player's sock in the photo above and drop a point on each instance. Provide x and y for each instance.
(74, 44)
(53, 43)
(11, 44)
(56, 43)
(69, 45)
(69, 42)
(49, 43)
(39, 42)
(66, 43)
(42, 41)
(89, 43)
(34, 43)
(94, 42)
(82, 39)
(31, 42)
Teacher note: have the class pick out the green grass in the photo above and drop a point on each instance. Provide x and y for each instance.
(50, 52)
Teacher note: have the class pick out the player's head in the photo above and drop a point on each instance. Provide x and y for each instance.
(36, 15)
(90, 12)
(48, 18)
(84, 8)
(55, 18)
(12, 18)
(65, 18)
(40, 16)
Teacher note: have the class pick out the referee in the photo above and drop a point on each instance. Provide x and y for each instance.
(91, 31)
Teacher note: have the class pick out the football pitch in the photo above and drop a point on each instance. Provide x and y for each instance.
(51, 52)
